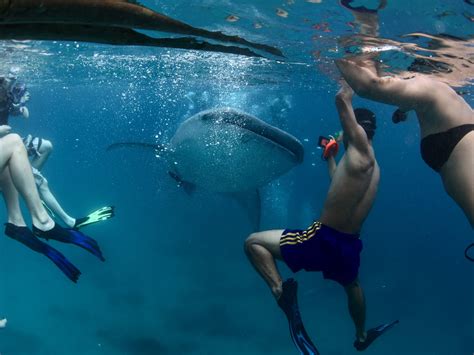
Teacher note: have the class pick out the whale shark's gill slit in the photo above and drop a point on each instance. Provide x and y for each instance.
(260, 128)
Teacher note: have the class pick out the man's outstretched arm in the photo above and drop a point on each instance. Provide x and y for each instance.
(332, 165)
(352, 131)
(407, 94)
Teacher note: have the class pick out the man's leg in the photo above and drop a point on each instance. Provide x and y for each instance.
(262, 248)
(11, 198)
(13, 154)
(356, 302)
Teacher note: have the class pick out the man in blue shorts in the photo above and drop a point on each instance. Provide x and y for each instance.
(332, 244)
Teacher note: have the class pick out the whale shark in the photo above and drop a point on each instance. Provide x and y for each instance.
(228, 151)
(84, 20)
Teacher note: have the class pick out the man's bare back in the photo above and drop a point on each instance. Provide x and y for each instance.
(355, 180)
(352, 191)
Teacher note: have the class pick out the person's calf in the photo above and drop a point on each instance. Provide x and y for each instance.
(262, 260)
(44, 151)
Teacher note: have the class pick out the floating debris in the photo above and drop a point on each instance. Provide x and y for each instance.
(282, 13)
(232, 18)
(315, 1)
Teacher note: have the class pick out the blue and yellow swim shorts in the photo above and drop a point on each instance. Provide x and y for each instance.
(322, 248)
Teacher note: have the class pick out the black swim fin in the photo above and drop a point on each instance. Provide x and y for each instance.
(288, 302)
(71, 236)
(25, 236)
(373, 334)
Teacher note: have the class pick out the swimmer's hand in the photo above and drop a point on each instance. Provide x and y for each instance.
(345, 92)
(3, 323)
(4, 130)
(25, 98)
(24, 111)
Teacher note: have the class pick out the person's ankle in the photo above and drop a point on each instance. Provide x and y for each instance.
(17, 222)
(70, 222)
(277, 291)
(44, 225)
(361, 337)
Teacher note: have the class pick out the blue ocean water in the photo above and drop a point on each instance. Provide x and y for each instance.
(176, 280)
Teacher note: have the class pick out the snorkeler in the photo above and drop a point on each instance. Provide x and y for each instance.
(446, 123)
(13, 99)
(332, 244)
(16, 176)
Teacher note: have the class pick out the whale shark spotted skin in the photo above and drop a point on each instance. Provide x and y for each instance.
(228, 151)
(49, 19)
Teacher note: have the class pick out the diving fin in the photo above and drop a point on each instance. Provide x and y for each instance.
(26, 237)
(98, 215)
(288, 302)
(373, 334)
(70, 236)
(188, 187)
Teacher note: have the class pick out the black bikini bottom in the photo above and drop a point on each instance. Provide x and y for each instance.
(436, 148)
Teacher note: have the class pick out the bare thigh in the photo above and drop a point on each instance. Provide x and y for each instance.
(270, 240)
(458, 175)
(7, 144)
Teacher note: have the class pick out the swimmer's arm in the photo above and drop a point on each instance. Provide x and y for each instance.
(19, 110)
(331, 166)
(355, 134)
(407, 94)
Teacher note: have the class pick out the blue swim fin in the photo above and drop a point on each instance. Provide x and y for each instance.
(26, 237)
(71, 236)
(288, 302)
(373, 334)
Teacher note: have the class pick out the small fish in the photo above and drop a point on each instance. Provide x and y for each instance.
(281, 13)
(232, 18)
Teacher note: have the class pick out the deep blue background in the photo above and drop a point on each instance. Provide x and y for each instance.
(176, 280)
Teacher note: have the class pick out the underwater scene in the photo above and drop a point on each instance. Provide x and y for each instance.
(184, 127)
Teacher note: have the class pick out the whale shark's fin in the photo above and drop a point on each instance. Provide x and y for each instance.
(154, 146)
(251, 202)
(188, 187)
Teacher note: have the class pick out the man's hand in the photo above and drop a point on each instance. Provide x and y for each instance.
(4, 130)
(25, 98)
(24, 111)
(345, 92)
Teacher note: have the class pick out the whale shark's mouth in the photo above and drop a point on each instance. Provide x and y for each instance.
(258, 127)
